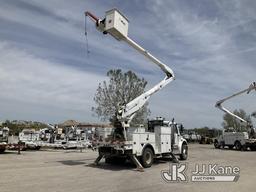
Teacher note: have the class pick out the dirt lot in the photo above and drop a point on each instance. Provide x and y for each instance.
(70, 171)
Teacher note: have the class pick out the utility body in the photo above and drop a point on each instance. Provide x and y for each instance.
(139, 145)
(161, 139)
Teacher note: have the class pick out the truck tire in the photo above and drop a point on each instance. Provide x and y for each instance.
(216, 144)
(147, 157)
(222, 144)
(2, 150)
(238, 146)
(184, 152)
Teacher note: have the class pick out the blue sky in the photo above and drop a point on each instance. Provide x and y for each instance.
(46, 75)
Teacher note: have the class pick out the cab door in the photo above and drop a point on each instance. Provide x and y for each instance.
(175, 137)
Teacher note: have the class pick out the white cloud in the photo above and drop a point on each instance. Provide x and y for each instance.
(215, 66)
(37, 82)
(208, 46)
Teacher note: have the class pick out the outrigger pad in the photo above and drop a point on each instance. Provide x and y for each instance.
(137, 163)
(174, 158)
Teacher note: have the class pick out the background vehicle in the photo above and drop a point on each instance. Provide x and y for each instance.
(205, 140)
(4, 133)
(231, 138)
(29, 138)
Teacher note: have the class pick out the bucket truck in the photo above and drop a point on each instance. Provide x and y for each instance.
(141, 146)
(232, 138)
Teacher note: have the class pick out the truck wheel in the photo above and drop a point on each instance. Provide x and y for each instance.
(184, 152)
(2, 150)
(216, 144)
(222, 144)
(238, 145)
(147, 158)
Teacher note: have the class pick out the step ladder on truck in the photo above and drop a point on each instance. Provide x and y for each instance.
(230, 137)
(136, 143)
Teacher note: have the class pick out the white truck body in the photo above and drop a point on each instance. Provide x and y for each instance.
(28, 135)
(30, 138)
(231, 137)
(239, 140)
(163, 141)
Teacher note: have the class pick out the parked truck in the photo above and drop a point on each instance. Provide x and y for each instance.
(232, 138)
(141, 146)
(29, 138)
(4, 133)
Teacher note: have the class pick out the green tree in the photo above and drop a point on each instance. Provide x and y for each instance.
(16, 127)
(120, 89)
(231, 122)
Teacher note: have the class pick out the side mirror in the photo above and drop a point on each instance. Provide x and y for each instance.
(181, 128)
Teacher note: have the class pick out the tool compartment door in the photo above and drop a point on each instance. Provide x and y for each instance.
(165, 143)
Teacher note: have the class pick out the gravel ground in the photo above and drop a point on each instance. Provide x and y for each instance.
(71, 171)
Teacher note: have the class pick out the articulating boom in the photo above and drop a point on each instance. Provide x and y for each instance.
(219, 103)
(117, 25)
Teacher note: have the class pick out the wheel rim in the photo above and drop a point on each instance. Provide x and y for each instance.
(238, 146)
(185, 150)
(148, 157)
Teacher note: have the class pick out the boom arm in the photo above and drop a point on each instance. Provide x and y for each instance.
(219, 103)
(127, 111)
